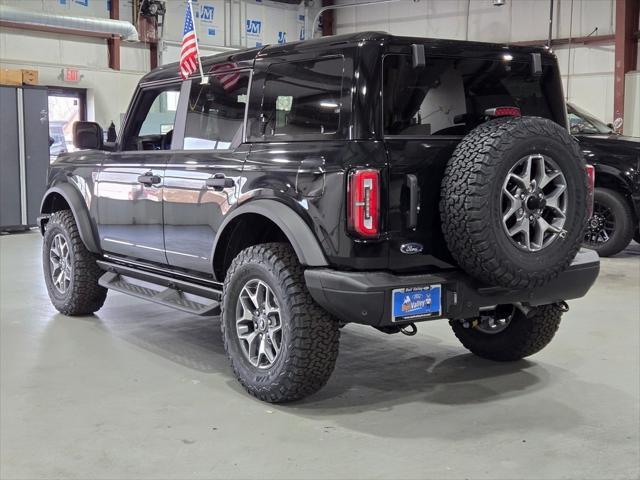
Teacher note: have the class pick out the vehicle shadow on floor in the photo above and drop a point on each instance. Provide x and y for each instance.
(373, 369)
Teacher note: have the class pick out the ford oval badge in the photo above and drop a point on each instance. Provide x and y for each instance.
(411, 248)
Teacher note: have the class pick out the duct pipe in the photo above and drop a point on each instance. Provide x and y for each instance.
(119, 28)
(311, 33)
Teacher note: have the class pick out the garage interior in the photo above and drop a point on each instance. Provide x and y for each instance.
(141, 391)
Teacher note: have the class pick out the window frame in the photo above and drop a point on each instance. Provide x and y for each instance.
(343, 132)
(183, 105)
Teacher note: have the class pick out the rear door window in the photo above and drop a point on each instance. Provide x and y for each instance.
(449, 96)
(215, 113)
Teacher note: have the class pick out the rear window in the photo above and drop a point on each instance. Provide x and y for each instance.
(450, 95)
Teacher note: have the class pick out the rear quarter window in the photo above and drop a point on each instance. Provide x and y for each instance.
(450, 95)
(304, 100)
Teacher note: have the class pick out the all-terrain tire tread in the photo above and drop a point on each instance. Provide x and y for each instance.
(314, 334)
(86, 296)
(464, 202)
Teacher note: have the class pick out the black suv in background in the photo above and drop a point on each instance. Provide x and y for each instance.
(616, 158)
(363, 178)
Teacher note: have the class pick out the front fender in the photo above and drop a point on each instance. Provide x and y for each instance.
(79, 210)
(302, 239)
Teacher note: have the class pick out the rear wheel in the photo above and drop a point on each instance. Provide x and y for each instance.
(70, 270)
(282, 346)
(611, 227)
(509, 333)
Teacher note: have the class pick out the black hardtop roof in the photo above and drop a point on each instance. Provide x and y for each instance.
(245, 58)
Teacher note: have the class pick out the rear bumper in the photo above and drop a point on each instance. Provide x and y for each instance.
(365, 297)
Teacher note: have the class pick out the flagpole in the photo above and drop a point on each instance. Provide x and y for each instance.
(203, 80)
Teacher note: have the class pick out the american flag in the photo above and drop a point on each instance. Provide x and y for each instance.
(189, 51)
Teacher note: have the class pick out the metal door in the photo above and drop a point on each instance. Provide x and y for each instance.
(10, 164)
(36, 148)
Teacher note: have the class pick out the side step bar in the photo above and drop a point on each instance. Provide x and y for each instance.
(171, 292)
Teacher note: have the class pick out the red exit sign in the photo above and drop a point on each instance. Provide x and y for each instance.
(71, 75)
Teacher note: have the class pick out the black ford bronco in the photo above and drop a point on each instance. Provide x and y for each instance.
(363, 178)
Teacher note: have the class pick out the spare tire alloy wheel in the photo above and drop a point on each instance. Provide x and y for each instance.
(534, 202)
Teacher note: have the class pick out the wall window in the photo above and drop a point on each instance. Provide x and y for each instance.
(450, 95)
(215, 114)
(302, 98)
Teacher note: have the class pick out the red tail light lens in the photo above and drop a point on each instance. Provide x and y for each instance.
(503, 112)
(591, 184)
(363, 203)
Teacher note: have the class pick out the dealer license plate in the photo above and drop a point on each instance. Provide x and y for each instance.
(416, 303)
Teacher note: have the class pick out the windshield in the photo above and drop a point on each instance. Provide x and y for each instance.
(583, 122)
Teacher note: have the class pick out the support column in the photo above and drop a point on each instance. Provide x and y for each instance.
(626, 50)
(113, 44)
(327, 19)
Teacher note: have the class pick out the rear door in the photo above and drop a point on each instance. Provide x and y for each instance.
(203, 175)
(426, 112)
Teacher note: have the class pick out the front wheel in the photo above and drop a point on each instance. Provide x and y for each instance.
(282, 346)
(70, 270)
(509, 333)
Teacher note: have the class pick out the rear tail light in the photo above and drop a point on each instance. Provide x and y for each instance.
(363, 203)
(503, 112)
(591, 185)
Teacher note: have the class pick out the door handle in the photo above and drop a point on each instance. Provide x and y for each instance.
(149, 179)
(414, 201)
(219, 182)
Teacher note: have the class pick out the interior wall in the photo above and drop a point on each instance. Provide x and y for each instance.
(587, 70)
(108, 92)
(222, 25)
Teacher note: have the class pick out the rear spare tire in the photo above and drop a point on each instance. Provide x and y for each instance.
(514, 202)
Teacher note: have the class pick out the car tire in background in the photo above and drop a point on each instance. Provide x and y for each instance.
(612, 226)
(514, 202)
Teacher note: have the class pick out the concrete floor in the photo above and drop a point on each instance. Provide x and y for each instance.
(140, 391)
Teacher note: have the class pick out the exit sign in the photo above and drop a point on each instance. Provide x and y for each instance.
(71, 75)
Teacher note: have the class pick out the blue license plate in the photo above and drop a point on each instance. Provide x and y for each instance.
(415, 303)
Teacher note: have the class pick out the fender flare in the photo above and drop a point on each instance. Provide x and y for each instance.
(616, 174)
(301, 237)
(79, 211)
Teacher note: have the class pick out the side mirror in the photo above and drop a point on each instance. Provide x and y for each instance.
(87, 136)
